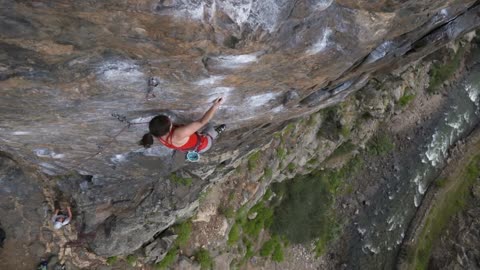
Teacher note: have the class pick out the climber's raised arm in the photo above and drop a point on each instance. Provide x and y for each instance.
(187, 130)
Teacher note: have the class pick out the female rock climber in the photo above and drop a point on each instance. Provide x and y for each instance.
(184, 138)
(59, 219)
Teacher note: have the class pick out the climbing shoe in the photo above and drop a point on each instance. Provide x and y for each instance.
(219, 129)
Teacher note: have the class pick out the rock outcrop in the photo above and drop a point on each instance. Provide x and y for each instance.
(77, 91)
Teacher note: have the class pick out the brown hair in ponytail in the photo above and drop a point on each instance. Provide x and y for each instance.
(147, 140)
(158, 126)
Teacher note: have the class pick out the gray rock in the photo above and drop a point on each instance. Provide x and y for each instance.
(156, 251)
(76, 95)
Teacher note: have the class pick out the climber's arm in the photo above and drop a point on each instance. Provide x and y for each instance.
(69, 213)
(188, 130)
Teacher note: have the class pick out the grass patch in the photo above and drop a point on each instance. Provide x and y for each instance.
(204, 259)
(406, 99)
(281, 153)
(331, 127)
(444, 71)
(112, 260)
(253, 161)
(131, 259)
(288, 129)
(226, 211)
(277, 255)
(345, 131)
(379, 144)
(263, 219)
(234, 234)
(268, 173)
(344, 149)
(183, 232)
(451, 203)
(168, 260)
(249, 252)
(291, 166)
(273, 247)
(180, 180)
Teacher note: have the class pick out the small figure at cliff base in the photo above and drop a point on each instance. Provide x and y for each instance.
(184, 138)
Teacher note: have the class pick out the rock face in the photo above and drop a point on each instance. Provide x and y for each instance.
(22, 214)
(75, 80)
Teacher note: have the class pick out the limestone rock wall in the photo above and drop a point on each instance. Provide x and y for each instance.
(75, 93)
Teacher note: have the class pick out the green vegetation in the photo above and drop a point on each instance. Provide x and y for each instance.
(263, 219)
(183, 231)
(268, 173)
(112, 260)
(249, 252)
(168, 260)
(444, 71)
(440, 182)
(277, 255)
(180, 180)
(406, 99)
(331, 127)
(226, 211)
(273, 247)
(345, 131)
(131, 259)
(204, 259)
(203, 195)
(288, 129)
(281, 153)
(253, 160)
(291, 166)
(379, 144)
(234, 234)
(456, 194)
(305, 213)
(345, 148)
(267, 248)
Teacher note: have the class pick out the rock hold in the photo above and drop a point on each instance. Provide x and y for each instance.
(156, 251)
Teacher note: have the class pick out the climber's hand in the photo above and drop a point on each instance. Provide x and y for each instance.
(218, 101)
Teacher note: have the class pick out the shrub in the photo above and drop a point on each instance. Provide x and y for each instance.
(267, 248)
(253, 160)
(203, 258)
(183, 231)
(291, 166)
(180, 180)
(268, 173)
(380, 144)
(345, 148)
(234, 234)
(263, 219)
(131, 259)
(277, 255)
(168, 260)
(249, 252)
(112, 260)
(226, 211)
(405, 99)
(281, 153)
(442, 72)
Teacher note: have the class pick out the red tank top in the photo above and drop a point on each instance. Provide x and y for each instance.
(198, 141)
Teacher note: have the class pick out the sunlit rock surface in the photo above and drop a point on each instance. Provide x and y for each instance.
(75, 93)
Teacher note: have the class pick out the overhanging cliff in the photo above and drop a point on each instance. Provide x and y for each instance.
(75, 93)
